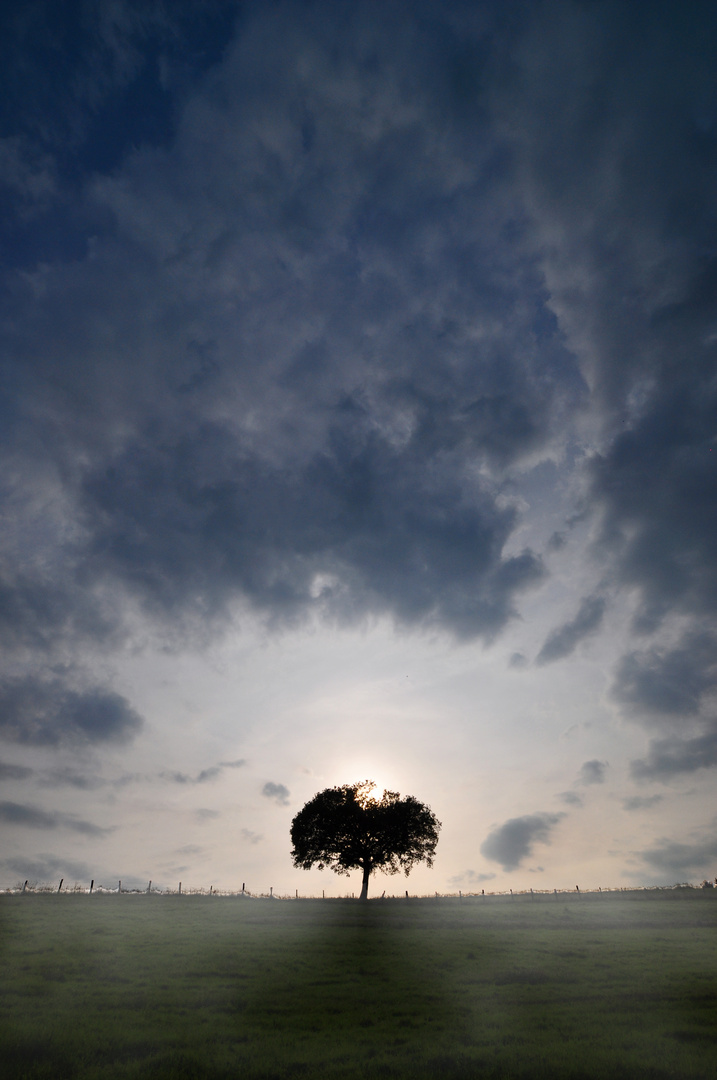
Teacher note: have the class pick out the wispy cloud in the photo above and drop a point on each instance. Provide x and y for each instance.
(470, 877)
(36, 818)
(9, 771)
(564, 640)
(641, 802)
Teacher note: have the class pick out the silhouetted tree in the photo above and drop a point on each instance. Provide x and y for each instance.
(347, 829)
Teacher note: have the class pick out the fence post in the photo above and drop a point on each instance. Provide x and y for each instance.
(24, 886)
(210, 889)
(297, 894)
(92, 885)
(119, 887)
(60, 885)
(180, 888)
(243, 884)
(271, 890)
(149, 887)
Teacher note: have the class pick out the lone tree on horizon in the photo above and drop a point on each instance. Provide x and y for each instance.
(346, 828)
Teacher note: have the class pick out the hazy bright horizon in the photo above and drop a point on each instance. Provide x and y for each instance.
(359, 422)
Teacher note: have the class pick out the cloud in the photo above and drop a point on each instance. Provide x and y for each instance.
(640, 802)
(557, 541)
(46, 712)
(593, 772)
(316, 408)
(570, 798)
(40, 868)
(277, 792)
(663, 682)
(564, 640)
(210, 773)
(512, 842)
(67, 776)
(189, 849)
(34, 817)
(36, 612)
(471, 877)
(639, 309)
(204, 814)
(674, 756)
(251, 837)
(676, 859)
(66, 104)
(518, 660)
(9, 771)
(184, 778)
(384, 528)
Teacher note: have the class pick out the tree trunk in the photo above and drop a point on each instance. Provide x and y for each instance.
(364, 885)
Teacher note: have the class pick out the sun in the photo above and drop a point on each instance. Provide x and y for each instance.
(353, 770)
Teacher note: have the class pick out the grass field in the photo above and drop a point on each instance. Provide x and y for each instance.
(613, 985)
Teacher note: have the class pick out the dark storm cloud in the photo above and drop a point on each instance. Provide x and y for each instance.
(278, 792)
(677, 859)
(657, 488)
(674, 756)
(592, 772)
(513, 841)
(361, 527)
(98, 79)
(289, 341)
(12, 813)
(662, 683)
(621, 186)
(46, 712)
(35, 612)
(296, 374)
(564, 640)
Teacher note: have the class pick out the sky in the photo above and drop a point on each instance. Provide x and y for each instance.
(359, 421)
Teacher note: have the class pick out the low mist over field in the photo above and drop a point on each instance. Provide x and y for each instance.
(359, 422)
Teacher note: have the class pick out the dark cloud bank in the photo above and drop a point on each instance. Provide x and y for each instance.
(292, 343)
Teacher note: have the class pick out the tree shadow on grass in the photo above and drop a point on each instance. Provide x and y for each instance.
(361, 996)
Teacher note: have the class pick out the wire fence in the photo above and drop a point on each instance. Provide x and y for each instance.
(35, 887)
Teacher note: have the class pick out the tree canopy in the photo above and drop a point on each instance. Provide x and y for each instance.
(346, 828)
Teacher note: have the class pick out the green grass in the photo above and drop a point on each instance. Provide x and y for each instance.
(612, 985)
